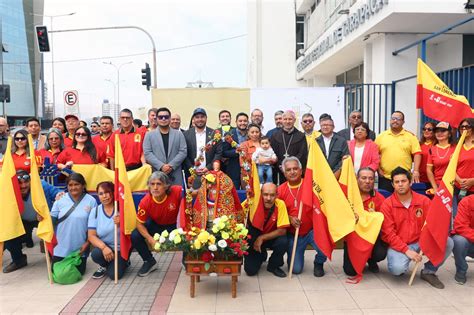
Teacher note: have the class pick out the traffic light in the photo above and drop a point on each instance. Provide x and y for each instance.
(42, 36)
(5, 93)
(146, 76)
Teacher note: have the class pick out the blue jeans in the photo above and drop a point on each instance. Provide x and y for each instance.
(398, 262)
(265, 170)
(462, 248)
(303, 242)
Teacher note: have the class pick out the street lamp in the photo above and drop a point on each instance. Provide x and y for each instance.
(52, 50)
(118, 79)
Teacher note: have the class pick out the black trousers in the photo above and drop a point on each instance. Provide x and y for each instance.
(99, 259)
(385, 184)
(254, 260)
(81, 267)
(139, 242)
(14, 246)
(379, 252)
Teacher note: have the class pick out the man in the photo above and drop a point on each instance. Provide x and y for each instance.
(464, 238)
(3, 136)
(307, 123)
(34, 129)
(103, 141)
(334, 147)
(175, 122)
(268, 231)
(355, 117)
(405, 213)
(72, 123)
(373, 201)
(165, 148)
(231, 164)
(256, 117)
(196, 139)
(152, 123)
(224, 121)
(29, 218)
(290, 193)
(131, 141)
(397, 147)
(95, 128)
(278, 123)
(286, 142)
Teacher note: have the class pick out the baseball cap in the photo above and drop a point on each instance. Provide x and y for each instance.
(71, 116)
(199, 110)
(443, 125)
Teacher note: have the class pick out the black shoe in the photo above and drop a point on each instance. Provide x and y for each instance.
(432, 279)
(277, 272)
(148, 266)
(318, 270)
(373, 267)
(460, 278)
(30, 243)
(100, 273)
(14, 266)
(264, 256)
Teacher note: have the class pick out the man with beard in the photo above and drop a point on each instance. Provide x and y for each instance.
(278, 123)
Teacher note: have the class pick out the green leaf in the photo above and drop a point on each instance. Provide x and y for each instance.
(207, 266)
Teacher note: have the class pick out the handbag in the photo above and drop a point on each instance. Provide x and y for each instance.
(65, 271)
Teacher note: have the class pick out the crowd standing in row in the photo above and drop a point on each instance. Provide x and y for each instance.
(396, 155)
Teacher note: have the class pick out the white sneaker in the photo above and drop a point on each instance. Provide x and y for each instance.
(469, 259)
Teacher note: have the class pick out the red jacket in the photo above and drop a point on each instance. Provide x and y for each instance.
(402, 226)
(464, 221)
(370, 156)
(374, 203)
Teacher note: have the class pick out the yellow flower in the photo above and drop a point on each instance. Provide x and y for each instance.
(212, 239)
(224, 218)
(165, 233)
(177, 239)
(215, 229)
(203, 236)
(156, 236)
(197, 244)
(220, 226)
(157, 246)
(210, 178)
(225, 235)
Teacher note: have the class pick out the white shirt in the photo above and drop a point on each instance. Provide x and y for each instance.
(327, 143)
(358, 157)
(351, 131)
(200, 143)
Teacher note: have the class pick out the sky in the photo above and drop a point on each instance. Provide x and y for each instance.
(172, 24)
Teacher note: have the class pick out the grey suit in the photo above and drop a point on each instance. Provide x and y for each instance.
(337, 149)
(154, 151)
(215, 153)
(346, 134)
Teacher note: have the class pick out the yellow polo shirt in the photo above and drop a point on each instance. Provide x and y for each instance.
(396, 150)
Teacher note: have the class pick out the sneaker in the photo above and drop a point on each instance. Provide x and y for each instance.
(148, 266)
(318, 270)
(373, 267)
(469, 259)
(460, 278)
(14, 266)
(432, 279)
(100, 273)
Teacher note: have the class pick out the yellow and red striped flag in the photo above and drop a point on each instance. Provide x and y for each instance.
(367, 228)
(11, 225)
(126, 206)
(434, 233)
(437, 100)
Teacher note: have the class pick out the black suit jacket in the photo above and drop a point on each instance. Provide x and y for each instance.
(215, 153)
(231, 165)
(346, 134)
(337, 149)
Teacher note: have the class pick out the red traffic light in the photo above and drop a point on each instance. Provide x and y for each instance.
(42, 37)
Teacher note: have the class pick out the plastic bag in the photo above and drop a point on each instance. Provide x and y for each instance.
(65, 271)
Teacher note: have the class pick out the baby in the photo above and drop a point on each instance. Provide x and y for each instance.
(264, 157)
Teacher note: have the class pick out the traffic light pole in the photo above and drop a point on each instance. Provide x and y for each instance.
(118, 28)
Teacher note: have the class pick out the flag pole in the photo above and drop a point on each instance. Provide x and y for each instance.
(412, 277)
(295, 241)
(48, 262)
(115, 246)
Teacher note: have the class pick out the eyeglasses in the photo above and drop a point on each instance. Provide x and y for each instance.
(163, 117)
(53, 139)
(356, 117)
(23, 177)
(464, 127)
(324, 125)
(308, 121)
(396, 118)
(20, 139)
(125, 117)
(78, 134)
(427, 129)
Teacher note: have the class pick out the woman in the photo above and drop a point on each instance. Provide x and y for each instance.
(71, 215)
(364, 152)
(439, 154)
(157, 211)
(21, 151)
(60, 124)
(250, 146)
(426, 141)
(53, 147)
(465, 169)
(101, 227)
(83, 151)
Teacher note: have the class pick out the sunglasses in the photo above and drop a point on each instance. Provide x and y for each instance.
(78, 134)
(356, 116)
(20, 139)
(465, 127)
(23, 177)
(427, 129)
(163, 117)
(308, 121)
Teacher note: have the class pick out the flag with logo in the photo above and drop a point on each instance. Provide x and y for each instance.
(435, 231)
(126, 206)
(368, 224)
(332, 214)
(437, 100)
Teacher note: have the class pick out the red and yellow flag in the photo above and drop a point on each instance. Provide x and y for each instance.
(437, 100)
(367, 228)
(45, 226)
(332, 214)
(11, 225)
(434, 234)
(126, 206)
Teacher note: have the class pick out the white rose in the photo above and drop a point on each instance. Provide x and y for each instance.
(222, 244)
(162, 239)
(216, 221)
(212, 247)
(180, 231)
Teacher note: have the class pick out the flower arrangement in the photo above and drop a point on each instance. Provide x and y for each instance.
(226, 240)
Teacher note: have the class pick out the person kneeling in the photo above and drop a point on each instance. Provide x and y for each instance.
(267, 228)
(405, 212)
(101, 227)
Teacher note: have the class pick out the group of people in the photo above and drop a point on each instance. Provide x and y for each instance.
(395, 155)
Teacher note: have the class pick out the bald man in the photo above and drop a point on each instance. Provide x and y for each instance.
(3, 135)
(175, 122)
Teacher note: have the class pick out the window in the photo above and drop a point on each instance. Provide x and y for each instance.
(299, 34)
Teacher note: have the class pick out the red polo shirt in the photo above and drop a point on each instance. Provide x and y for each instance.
(425, 151)
(464, 221)
(68, 139)
(53, 156)
(402, 226)
(102, 144)
(164, 212)
(79, 157)
(374, 203)
(288, 194)
(439, 160)
(465, 167)
(132, 146)
(22, 162)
